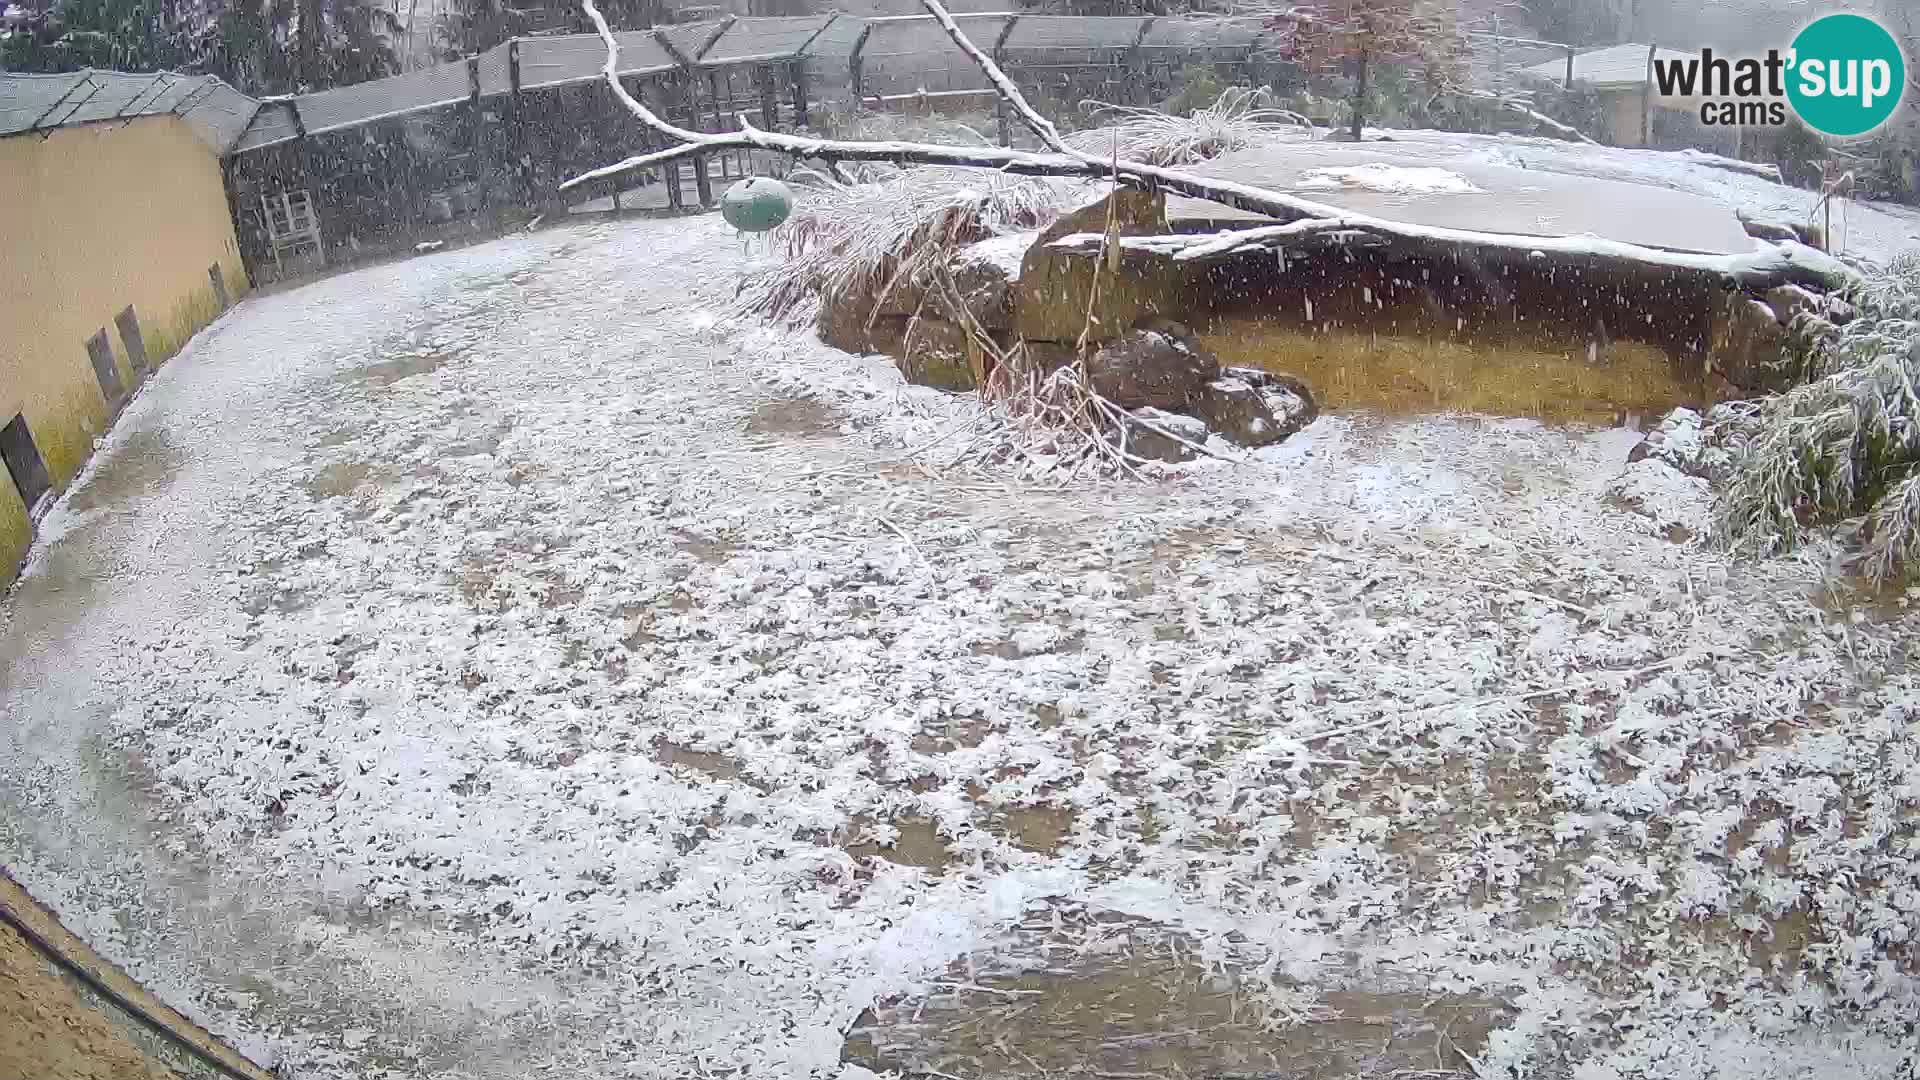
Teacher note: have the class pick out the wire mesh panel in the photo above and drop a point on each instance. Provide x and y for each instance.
(1214, 36)
(907, 57)
(1060, 61)
(765, 39)
(828, 59)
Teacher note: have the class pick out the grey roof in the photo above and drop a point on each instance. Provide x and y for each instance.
(900, 56)
(1069, 32)
(570, 58)
(217, 112)
(691, 39)
(544, 61)
(765, 39)
(1609, 68)
(836, 39)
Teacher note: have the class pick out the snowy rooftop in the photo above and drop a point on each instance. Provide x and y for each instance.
(216, 111)
(898, 56)
(1612, 67)
(1446, 183)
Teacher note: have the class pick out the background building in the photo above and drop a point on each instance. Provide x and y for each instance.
(116, 245)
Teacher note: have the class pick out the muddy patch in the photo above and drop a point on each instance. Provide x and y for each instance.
(715, 765)
(139, 465)
(800, 417)
(337, 480)
(908, 841)
(388, 372)
(1074, 993)
(1042, 829)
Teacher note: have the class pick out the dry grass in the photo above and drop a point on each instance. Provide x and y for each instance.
(866, 239)
(1239, 117)
(1428, 373)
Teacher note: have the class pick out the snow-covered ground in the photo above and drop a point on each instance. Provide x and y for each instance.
(498, 664)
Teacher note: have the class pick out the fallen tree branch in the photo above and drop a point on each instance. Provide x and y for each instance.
(1759, 269)
(1784, 263)
(695, 143)
(1788, 263)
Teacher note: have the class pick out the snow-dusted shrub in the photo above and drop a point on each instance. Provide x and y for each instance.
(1239, 117)
(1846, 444)
(891, 229)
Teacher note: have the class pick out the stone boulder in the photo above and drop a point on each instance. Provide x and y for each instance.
(1252, 407)
(985, 275)
(928, 351)
(1705, 447)
(1157, 365)
(1150, 433)
(1057, 291)
(1750, 345)
(937, 353)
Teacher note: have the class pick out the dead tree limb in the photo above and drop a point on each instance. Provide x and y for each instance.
(694, 143)
(1787, 263)
(1759, 269)
(1781, 264)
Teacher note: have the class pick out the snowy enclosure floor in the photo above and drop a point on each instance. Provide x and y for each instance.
(500, 664)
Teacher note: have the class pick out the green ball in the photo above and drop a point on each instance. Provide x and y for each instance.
(756, 204)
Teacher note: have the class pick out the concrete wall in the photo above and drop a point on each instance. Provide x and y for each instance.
(94, 218)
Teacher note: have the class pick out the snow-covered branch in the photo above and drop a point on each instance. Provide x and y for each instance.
(1763, 267)
(695, 143)
(1787, 263)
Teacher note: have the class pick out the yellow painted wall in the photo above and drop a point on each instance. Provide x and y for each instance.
(93, 218)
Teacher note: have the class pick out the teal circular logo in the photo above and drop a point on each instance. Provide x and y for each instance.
(1846, 75)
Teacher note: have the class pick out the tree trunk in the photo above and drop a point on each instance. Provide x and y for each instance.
(1359, 92)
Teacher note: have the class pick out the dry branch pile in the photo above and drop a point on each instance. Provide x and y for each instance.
(865, 241)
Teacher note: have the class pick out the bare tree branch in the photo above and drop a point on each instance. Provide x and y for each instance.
(695, 143)
(1783, 263)
(1762, 267)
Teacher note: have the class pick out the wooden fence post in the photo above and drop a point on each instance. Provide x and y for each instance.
(479, 133)
(520, 146)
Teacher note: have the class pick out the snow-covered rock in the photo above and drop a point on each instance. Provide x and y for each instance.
(1160, 435)
(1251, 407)
(1676, 504)
(1158, 365)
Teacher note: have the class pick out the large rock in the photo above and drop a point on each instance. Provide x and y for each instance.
(985, 274)
(1159, 435)
(1057, 296)
(930, 352)
(1749, 345)
(939, 354)
(1287, 397)
(1251, 407)
(1159, 365)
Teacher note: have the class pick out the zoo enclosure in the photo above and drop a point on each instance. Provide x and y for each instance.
(457, 148)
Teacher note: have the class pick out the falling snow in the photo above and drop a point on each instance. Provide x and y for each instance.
(518, 667)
